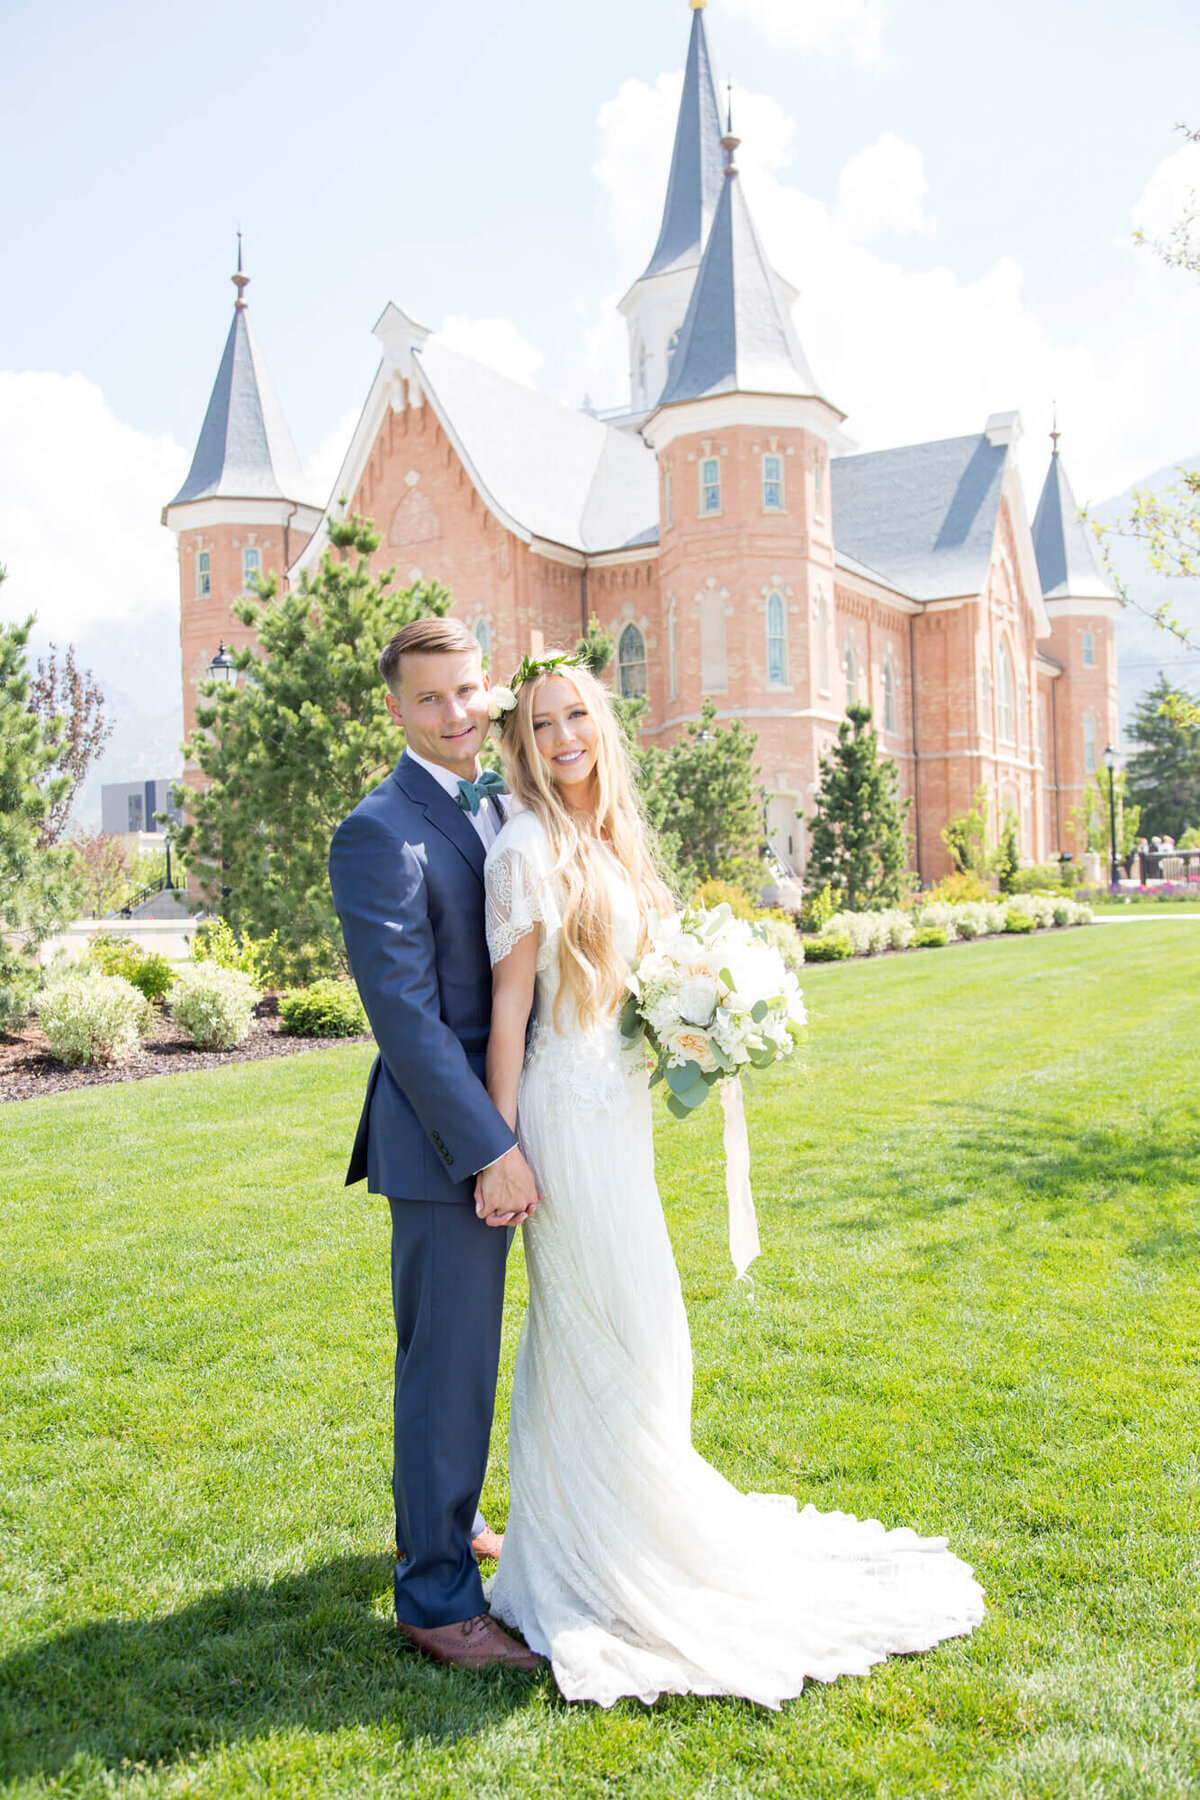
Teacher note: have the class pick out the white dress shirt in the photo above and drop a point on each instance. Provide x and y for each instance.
(487, 821)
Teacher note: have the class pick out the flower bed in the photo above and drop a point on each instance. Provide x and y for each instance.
(948, 922)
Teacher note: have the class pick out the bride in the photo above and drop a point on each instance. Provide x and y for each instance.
(754, 1597)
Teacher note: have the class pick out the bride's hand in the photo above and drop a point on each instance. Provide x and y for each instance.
(505, 1192)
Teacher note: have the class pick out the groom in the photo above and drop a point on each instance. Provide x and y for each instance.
(406, 868)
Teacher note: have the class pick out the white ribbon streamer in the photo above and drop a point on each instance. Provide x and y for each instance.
(743, 1226)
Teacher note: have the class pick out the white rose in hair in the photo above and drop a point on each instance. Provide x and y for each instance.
(501, 700)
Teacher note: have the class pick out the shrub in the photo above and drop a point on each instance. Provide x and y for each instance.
(941, 915)
(217, 942)
(1018, 921)
(818, 909)
(930, 937)
(92, 1019)
(212, 1006)
(962, 886)
(715, 893)
(1038, 907)
(1043, 878)
(829, 947)
(150, 973)
(326, 1009)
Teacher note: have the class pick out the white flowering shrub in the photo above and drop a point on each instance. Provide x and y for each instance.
(900, 928)
(214, 1007)
(91, 1019)
(784, 938)
(1038, 907)
(994, 916)
(970, 919)
(941, 914)
(869, 933)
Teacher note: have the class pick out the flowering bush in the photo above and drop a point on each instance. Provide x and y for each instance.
(944, 922)
(92, 1019)
(870, 933)
(712, 998)
(214, 1007)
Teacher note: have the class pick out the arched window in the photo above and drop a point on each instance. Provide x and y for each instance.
(1004, 694)
(1089, 744)
(483, 637)
(772, 476)
(251, 566)
(710, 485)
(823, 644)
(631, 663)
(1089, 649)
(203, 575)
(776, 647)
(850, 665)
(890, 711)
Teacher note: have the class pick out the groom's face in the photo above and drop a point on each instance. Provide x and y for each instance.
(441, 700)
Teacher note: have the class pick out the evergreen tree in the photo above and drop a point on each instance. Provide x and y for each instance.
(38, 892)
(859, 842)
(286, 753)
(1164, 775)
(700, 799)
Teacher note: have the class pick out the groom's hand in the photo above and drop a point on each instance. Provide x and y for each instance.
(505, 1192)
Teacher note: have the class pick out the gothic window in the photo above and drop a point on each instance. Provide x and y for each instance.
(713, 675)
(710, 485)
(1004, 694)
(203, 576)
(850, 668)
(1089, 744)
(251, 567)
(776, 647)
(483, 637)
(1089, 650)
(890, 716)
(631, 663)
(668, 498)
(772, 473)
(672, 662)
(823, 644)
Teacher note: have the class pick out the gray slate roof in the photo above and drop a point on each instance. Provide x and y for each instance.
(924, 516)
(559, 474)
(737, 335)
(1065, 549)
(245, 450)
(697, 165)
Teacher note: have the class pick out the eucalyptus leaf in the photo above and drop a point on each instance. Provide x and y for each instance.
(676, 1107)
(679, 1079)
(759, 1011)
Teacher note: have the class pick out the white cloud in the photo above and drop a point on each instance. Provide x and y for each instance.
(852, 26)
(1171, 192)
(496, 342)
(882, 190)
(912, 354)
(80, 498)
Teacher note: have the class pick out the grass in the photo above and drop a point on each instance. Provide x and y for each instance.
(975, 1313)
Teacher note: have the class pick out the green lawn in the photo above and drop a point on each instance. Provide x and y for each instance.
(977, 1312)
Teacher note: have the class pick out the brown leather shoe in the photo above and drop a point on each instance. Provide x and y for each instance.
(476, 1643)
(488, 1543)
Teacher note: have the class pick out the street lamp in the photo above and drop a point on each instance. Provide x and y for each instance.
(221, 668)
(1110, 763)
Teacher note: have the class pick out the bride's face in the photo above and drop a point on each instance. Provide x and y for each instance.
(566, 736)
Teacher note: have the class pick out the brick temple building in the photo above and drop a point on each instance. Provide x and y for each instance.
(720, 526)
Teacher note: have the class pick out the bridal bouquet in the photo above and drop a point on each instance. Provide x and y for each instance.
(713, 999)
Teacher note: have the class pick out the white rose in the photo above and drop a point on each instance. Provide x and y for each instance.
(697, 1000)
(501, 700)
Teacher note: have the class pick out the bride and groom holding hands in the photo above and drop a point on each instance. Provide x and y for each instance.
(490, 933)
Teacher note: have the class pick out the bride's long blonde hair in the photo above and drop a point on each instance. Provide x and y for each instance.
(590, 968)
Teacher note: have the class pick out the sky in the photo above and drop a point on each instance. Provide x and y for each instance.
(953, 189)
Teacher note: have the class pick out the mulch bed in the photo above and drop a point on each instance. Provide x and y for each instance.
(27, 1069)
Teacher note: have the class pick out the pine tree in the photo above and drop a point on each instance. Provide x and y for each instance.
(286, 753)
(1164, 774)
(700, 799)
(38, 892)
(859, 842)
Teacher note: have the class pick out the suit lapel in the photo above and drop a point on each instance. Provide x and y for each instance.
(443, 813)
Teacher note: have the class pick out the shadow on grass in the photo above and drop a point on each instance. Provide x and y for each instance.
(306, 1651)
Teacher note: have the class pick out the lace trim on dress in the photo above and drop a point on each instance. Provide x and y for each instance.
(519, 898)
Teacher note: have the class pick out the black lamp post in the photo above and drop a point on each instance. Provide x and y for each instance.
(221, 667)
(1110, 763)
(167, 847)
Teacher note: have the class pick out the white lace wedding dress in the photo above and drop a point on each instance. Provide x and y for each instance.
(628, 1560)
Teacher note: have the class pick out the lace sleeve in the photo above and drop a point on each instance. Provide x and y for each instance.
(519, 895)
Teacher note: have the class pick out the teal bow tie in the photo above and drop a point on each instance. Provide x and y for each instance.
(470, 793)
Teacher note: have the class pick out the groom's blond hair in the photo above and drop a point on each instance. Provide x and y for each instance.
(423, 637)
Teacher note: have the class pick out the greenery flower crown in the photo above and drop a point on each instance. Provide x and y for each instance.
(503, 700)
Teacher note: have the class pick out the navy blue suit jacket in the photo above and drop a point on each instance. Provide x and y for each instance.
(406, 868)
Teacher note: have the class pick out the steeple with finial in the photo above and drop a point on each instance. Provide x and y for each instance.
(240, 281)
(1062, 543)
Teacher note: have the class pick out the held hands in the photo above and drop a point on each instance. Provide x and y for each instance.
(505, 1192)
